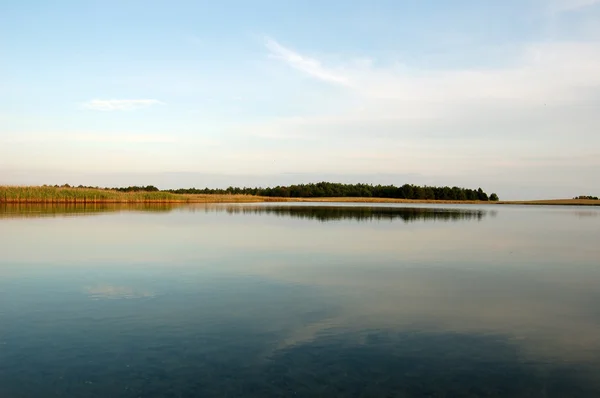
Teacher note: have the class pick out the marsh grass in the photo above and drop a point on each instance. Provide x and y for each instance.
(47, 194)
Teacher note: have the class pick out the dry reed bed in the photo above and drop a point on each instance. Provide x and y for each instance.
(16, 194)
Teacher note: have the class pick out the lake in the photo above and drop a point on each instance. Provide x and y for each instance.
(272, 300)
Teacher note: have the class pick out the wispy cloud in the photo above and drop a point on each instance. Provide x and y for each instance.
(136, 138)
(449, 121)
(572, 5)
(119, 104)
(110, 138)
(542, 72)
(305, 64)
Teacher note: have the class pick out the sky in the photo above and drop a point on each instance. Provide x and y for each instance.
(499, 94)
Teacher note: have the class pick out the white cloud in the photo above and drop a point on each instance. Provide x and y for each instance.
(136, 138)
(544, 72)
(305, 64)
(119, 105)
(451, 122)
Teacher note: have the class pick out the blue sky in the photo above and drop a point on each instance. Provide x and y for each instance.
(499, 94)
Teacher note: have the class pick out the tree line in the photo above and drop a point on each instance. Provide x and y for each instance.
(134, 188)
(329, 189)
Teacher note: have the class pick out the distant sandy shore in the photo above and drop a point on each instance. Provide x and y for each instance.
(559, 202)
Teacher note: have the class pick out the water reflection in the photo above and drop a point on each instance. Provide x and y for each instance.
(253, 300)
(116, 292)
(33, 210)
(361, 213)
(417, 364)
(318, 213)
(585, 214)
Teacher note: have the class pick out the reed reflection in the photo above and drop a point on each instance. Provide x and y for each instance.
(38, 210)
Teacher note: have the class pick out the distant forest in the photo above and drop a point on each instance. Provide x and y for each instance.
(336, 190)
(332, 190)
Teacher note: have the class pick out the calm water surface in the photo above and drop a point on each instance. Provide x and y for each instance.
(297, 300)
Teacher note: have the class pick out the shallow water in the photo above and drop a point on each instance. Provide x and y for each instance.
(299, 300)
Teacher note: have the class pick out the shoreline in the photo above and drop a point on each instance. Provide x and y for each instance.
(542, 202)
(201, 199)
(81, 195)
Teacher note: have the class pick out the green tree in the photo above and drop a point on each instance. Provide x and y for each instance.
(482, 195)
(494, 197)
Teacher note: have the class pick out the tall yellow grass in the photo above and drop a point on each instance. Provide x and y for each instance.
(47, 194)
